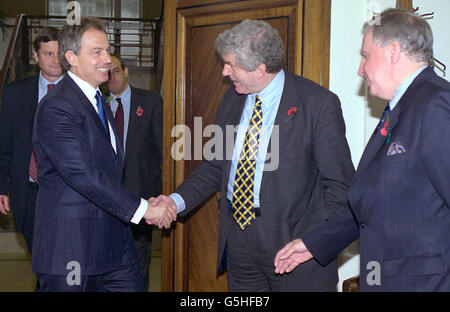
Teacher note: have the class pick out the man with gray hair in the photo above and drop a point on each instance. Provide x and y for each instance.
(262, 209)
(400, 196)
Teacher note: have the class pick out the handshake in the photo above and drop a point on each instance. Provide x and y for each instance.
(161, 211)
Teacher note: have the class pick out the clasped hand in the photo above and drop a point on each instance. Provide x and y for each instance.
(161, 211)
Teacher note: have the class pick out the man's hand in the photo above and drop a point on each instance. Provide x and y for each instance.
(160, 214)
(293, 254)
(4, 204)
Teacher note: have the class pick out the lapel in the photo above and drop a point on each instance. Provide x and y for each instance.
(112, 121)
(132, 122)
(34, 94)
(376, 141)
(30, 104)
(91, 111)
(284, 126)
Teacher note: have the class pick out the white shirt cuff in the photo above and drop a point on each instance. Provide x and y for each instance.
(142, 209)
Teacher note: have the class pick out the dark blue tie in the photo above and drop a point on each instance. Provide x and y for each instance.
(386, 112)
(101, 112)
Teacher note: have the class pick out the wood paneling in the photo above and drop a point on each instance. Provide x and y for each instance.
(405, 4)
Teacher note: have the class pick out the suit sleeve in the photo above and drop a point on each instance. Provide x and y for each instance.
(6, 139)
(332, 155)
(327, 241)
(206, 178)
(435, 144)
(157, 123)
(61, 134)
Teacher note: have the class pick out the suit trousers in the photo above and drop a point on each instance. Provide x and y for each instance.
(142, 237)
(126, 278)
(250, 266)
(28, 221)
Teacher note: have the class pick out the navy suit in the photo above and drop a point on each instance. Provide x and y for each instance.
(400, 198)
(142, 164)
(19, 102)
(82, 211)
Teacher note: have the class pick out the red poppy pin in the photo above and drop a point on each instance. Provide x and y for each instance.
(291, 112)
(108, 100)
(386, 131)
(139, 111)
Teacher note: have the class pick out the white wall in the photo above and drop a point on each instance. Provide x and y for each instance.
(361, 111)
(440, 25)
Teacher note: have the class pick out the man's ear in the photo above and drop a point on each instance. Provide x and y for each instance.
(35, 56)
(126, 71)
(261, 70)
(395, 52)
(71, 57)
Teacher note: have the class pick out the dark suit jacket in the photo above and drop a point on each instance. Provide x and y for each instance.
(401, 202)
(19, 102)
(82, 211)
(143, 156)
(310, 184)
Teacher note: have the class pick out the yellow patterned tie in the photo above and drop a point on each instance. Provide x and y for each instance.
(243, 199)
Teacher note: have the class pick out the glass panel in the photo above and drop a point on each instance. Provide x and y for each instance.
(98, 8)
(131, 8)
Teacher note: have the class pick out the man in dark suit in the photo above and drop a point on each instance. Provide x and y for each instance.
(19, 102)
(83, 240)
(400, 195)
(138, 114)
(264, 204)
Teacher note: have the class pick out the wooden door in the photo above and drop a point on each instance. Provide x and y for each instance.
(193, 88)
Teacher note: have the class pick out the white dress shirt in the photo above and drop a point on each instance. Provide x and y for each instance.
(90, 93)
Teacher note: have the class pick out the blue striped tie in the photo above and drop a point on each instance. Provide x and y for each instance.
(101, 112)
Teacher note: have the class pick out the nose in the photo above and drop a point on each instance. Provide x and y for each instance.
(226, 70)
(361, 68)
(56, 58)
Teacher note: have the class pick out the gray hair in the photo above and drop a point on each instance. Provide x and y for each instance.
(69, 38)
(253, 42)
(410, 30)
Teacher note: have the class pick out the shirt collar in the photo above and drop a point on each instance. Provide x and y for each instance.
(87, 89)
(404, 86)
(272, 91)
(43, 83)
(125, 96)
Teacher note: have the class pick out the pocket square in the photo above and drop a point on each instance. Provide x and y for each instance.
(396, 148)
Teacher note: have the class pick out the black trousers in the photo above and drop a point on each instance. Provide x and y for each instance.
(126, 278)
(142, 237)
(250, 265)
(28, 222)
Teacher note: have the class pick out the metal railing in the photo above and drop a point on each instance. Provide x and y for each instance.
(135, 40)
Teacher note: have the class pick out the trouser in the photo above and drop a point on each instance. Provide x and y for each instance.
(126, 278)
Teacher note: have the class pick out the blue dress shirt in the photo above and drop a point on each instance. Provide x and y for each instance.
(270, 98)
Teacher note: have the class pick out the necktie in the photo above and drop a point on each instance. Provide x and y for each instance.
(33, 169)
(383, 125)
(243, 198)
(101, 112)
(119, 117)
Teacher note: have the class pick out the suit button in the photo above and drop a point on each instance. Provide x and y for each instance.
(362, 225)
